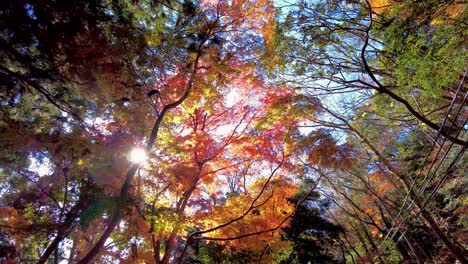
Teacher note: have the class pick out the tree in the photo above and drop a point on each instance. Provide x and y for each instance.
(344, 47)
(177, 131)
(181, 71)
(340, 47)
(314, 239)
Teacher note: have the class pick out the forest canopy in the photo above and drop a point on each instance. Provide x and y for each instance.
(243, 131)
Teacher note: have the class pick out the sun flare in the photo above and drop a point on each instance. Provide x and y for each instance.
(138, 155)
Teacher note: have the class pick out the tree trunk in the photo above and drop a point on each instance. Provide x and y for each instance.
(460, 253)
(171, 242)
(73, 248)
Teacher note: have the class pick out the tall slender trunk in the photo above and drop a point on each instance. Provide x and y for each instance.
(361, 239)
(399, 245)
(73, 248)
(156, 249)
(65, 228)
(352, 248)
(371, 241)
(458, 252)
(56, 254)
(171, 241)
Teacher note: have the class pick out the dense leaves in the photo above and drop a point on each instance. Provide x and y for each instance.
(266, 131)
(314, 239)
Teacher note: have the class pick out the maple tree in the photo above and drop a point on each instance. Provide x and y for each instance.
(232, 131)
(206, 128)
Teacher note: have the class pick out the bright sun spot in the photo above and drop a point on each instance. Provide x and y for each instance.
(138, 155)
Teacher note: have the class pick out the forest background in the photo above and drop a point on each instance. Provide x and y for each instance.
(158, 131)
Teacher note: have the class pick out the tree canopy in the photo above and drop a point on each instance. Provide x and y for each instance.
(156, 131)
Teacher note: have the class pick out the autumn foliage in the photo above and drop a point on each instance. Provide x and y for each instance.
(267, 131)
